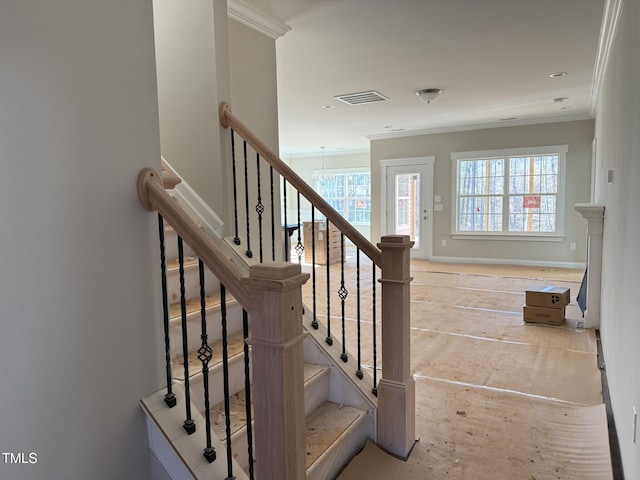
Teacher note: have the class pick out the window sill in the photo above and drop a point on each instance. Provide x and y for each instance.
(507, 236)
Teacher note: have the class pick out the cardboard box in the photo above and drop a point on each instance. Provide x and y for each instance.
(320, 242)
(548, 296)
(548, 316)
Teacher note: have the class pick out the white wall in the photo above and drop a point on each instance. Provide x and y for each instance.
(79, 337)
(578, 135)
(617, 133)
(254, 100)
(193, 79)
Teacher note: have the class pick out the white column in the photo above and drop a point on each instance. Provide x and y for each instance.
(594, 215)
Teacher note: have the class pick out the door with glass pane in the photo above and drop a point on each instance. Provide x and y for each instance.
(408, 205)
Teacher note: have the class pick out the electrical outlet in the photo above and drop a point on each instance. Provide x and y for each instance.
(572, 246)
(634, 425)
(443, 243)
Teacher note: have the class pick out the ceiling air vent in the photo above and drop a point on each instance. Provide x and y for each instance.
(361, 98)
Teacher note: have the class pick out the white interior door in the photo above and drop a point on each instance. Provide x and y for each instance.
(408, 187)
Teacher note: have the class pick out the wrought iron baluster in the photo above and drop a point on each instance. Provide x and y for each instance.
(299, 246)
(374, 390)
(204, 355)
(169, 397)
(225, 378)
(314, 322)
(236, 239)
(359, 373)
(342, 293)
(273, 217)
(286, 235)
(248, 252)
(247, 390)
(327, 257)
(189, 425)
(259, 206)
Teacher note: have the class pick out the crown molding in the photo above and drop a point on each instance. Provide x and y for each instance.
(480, 126)
(248, 15)
(608, 29)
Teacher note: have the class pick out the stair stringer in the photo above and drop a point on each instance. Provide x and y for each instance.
(345, 389)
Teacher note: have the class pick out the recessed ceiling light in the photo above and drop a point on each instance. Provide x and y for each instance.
(558, 74)
(560, 99)
(328, 107)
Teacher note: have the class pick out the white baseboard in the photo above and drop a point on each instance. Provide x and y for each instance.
(501, 261)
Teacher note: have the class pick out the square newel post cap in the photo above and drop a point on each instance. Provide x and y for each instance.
(282, 274)
(395, 242)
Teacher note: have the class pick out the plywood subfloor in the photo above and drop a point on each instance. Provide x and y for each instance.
(531, 394)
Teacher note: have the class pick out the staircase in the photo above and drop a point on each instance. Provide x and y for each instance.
(258, 384)
(334, 431)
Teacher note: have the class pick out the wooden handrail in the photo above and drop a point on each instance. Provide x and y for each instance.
(153, 197)
(229, 120)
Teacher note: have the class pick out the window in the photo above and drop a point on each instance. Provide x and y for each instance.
(348, 192)
(510, 192)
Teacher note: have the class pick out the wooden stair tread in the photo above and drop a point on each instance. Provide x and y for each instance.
(325, 425)
(235, 346)
(193, 305)
(238, 406)
(189, 262)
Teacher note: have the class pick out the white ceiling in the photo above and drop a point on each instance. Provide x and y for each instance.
(492, 58)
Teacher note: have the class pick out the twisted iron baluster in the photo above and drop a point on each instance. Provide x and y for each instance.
(273, 218)
(189, 425)
(259, 206)
(284, 199)
(374, 390)
(169, 397)
(236, 240)
(248, 253)
(359, 373)
(225, 377)
(299, 246)
(204, 355)
(329, 339)
(314, 322)
(342, 293)
(247, 389)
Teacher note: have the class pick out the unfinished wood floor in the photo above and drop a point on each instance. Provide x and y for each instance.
(496, 398)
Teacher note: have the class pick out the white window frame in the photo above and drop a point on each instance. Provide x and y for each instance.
(317, 174)
(557, 236)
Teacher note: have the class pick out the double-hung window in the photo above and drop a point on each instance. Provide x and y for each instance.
(348, 192)
(512, 192)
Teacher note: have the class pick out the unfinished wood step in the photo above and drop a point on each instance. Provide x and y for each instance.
(235, 347)
(194, 323)
(191, 280)
(325, 425)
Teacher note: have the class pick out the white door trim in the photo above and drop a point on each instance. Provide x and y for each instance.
(426, 185)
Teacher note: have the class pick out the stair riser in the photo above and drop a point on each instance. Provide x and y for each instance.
(216, 388)
(192, 283)
(316, 392)
(194, 327)
(171, 246)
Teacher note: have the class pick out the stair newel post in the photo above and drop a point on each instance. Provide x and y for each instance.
(396, 389)
(278, 369)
